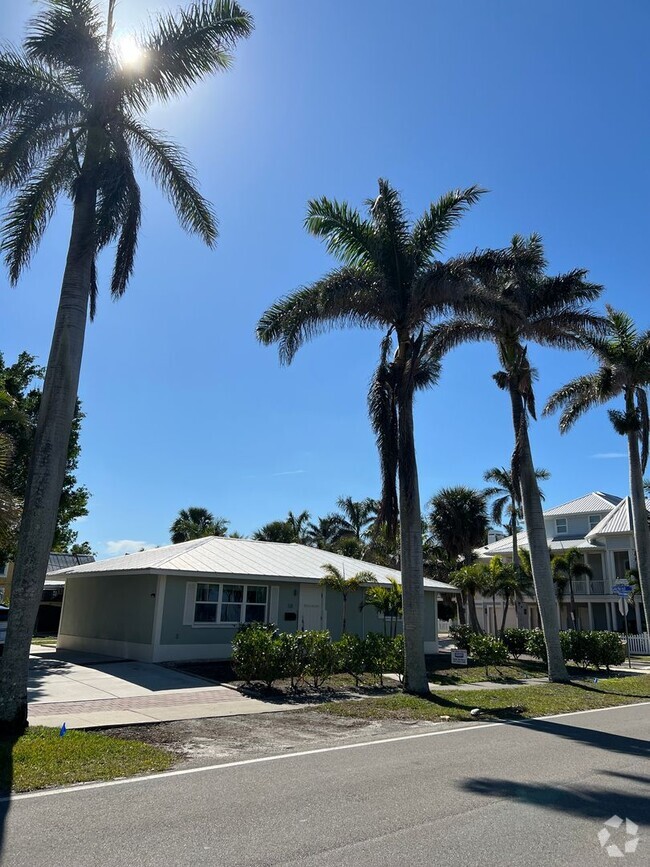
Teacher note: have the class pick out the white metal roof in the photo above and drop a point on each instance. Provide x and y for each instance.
(216, 555)
(563, 543)
(619, 520)
(592, 503)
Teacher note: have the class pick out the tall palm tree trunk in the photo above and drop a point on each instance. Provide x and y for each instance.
(515, 560)
(537, 542)
(412, 568)
(639, 523)
(49, 457)
(506, 605)
(572, 603)
(345, 613)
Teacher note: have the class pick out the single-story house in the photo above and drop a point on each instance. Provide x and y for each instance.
(187, 601)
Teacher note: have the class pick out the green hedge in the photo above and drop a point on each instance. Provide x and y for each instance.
(261, 654)
(586, 648)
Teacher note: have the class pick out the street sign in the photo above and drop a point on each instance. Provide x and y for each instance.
(621, 589)
(459, 657)
(623, 606)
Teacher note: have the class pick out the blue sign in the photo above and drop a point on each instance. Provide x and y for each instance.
(622, 590)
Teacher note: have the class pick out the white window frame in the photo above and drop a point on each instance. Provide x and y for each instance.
(563, 521)
(229, 624)
(594, 521)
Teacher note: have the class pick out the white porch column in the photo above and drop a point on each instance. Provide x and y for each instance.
(591, 615)
(637, 611)
(608, 614)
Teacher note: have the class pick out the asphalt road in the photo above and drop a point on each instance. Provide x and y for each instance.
(526, 794)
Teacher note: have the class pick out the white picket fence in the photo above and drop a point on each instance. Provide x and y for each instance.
(639, 643)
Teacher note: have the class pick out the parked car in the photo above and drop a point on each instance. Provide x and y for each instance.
(4, 616)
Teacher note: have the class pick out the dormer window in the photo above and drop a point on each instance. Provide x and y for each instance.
(594, 520)
(561, 526)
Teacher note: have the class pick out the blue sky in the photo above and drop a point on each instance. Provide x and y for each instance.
(542, 103)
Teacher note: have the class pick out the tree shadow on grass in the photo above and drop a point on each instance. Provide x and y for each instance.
(585, 802)
(587, 688)
(6, 781)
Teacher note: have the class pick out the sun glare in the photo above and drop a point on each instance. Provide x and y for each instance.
(130, 54)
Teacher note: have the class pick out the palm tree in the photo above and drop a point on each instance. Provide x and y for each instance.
(514, 585)
(72, 125)
(470, 580)
(387, 601)
(529, 306)
(335, 579)
(623, 357)
(567, 568)
(300, 526)
(389, 279)
(325, 532)
(276, 531)
(458, 521)
(507, 501)
(357, 515)
(195, 523)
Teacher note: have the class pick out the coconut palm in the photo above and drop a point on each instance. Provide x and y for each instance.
(507, 501)
(458, 521)
(389, 278)
(567, 568)
(515, 585)
(357, 515)
(299, 525)
(334, 578)
(529, 306)
(72, 119)
(195, 523)
(325, 531)
(623, 357)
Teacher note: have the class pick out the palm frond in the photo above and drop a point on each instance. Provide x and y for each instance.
(26, 82)
(430, 231)
(185, 47)
(344, 297)
(382, 409)
(67, 33)
(28, 214)
(580, 395)
(169, 167)
(446, 336)
(644, 420)
(348, 237)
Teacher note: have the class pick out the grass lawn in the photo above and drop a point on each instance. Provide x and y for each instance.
(41, 758)
(45, 640)
(516, 703)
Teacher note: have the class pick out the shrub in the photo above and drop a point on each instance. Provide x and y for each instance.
(397, 657)
(380, 654)
(611, 649)
(515, 639)
(255, 654)
(292, 654)
(535, 644)
(582, 647)
(321, 657)
(462, 636)
(487, 650)
(352, 656)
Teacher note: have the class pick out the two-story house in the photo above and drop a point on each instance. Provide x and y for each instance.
(600, 526)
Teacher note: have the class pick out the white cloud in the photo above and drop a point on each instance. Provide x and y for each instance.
(126, 546)
(290, 473)
(608, 455)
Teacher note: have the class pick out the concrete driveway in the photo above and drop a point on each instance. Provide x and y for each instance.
(86, 690)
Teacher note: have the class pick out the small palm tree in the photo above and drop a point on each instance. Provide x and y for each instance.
(72, 113)
(387, 601)
(514, 586)
(299, 525)
(389, 278)
(458, 521)
(195, 523)
(528, 306)
(276, 531)
(623, 356)
(470, 580)
(567, 568)
(507, 501)
(335, 579)
(325, 532)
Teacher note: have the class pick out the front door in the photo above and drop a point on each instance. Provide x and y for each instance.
(310, 613)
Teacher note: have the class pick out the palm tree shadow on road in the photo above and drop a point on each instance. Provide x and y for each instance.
(6, 780)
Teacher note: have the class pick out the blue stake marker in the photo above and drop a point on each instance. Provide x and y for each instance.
(62, 730)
